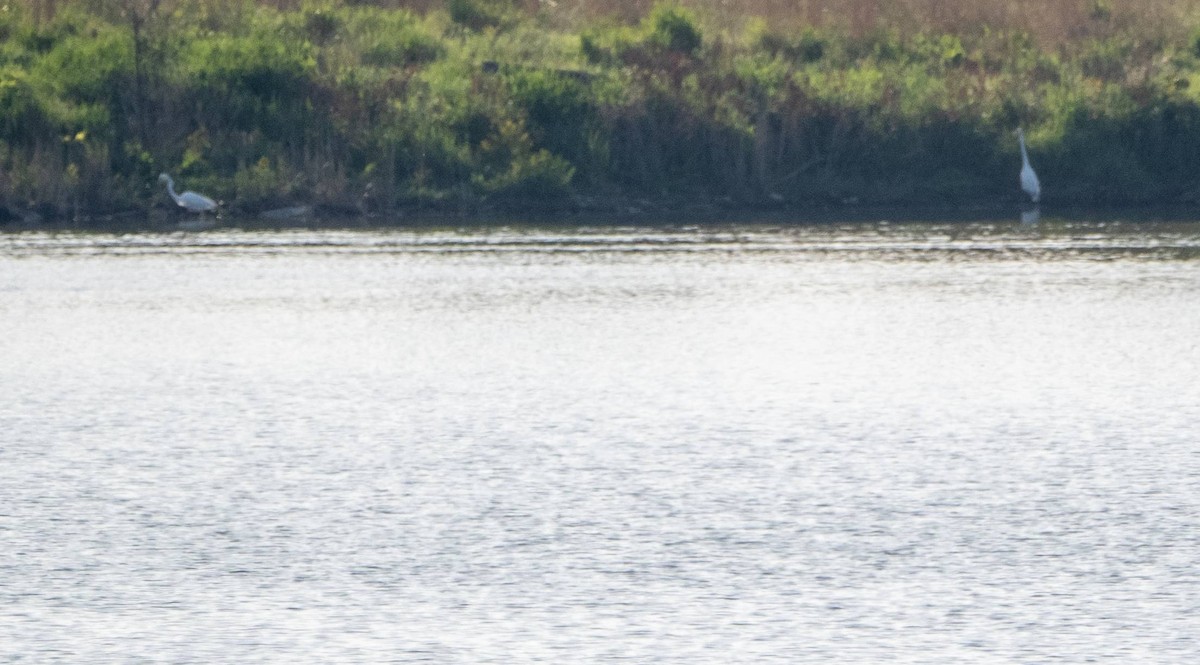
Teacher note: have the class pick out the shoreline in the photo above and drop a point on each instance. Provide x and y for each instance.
(636, 212)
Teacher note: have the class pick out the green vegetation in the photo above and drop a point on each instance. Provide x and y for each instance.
(466, 105)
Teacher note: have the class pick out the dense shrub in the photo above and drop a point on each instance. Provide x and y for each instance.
(480, 14)
(260, 64)
(391, 38)
(674, 28)
(558, 110)
(803, 46)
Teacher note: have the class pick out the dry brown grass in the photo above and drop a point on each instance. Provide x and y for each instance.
(1049, 21)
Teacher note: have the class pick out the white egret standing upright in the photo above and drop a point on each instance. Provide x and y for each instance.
(190, 201)
(1029, 179)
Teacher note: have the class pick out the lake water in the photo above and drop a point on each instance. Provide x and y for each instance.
(855, 443)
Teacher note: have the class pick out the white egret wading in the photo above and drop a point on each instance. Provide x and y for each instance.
(190, 201)
(1029, 179)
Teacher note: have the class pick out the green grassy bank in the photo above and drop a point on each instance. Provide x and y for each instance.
(474, 105)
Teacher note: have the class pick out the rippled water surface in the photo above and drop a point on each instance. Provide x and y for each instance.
(863, 443)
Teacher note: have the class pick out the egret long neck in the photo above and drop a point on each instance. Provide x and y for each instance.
(1024, 155)
(171, 183)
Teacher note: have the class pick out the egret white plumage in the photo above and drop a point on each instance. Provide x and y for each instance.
(190, 201)
(1029, 179)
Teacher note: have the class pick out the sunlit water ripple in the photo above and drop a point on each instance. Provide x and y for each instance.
(926, 443)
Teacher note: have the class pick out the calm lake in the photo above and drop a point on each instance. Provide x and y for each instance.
(859, 443)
